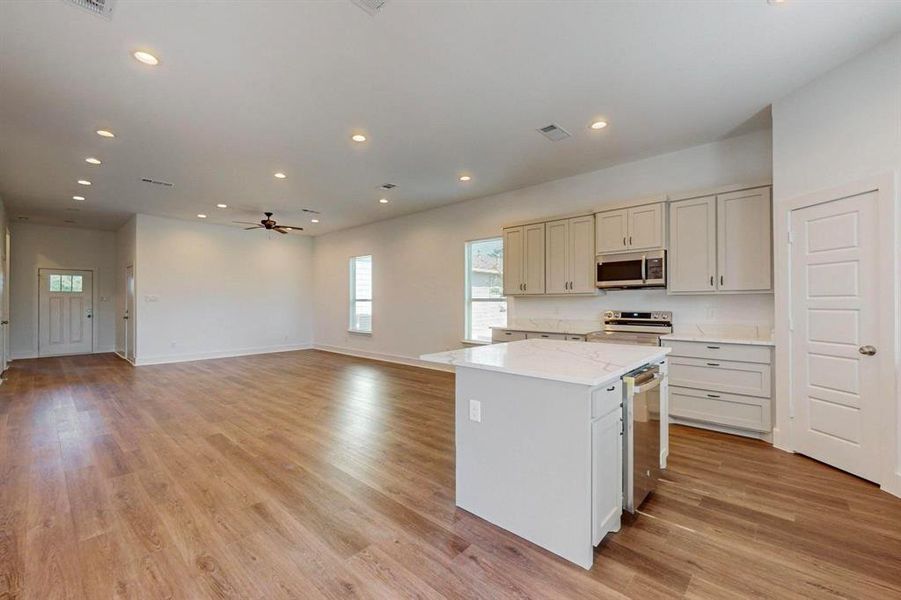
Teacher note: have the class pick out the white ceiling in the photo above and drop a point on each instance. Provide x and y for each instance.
(246, 89)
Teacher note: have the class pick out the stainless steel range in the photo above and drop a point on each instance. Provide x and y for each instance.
(646, 390)
(631, 327)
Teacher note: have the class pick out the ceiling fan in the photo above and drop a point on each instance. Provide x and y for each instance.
(270, 224)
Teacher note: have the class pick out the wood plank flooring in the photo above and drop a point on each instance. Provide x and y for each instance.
(314, 475)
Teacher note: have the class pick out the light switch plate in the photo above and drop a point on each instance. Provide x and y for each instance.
(475, 411)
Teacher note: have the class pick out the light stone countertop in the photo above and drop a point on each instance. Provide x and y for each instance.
(721, 334)
(556, 360)
(564, 326)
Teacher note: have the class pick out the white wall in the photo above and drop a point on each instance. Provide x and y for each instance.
(205, 290)
(838, 129)
(418, 259)
(33, 247)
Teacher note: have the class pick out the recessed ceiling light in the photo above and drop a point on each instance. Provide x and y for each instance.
(358, 137)
(599, 124)
(105, 133)
(465, 178)
(314, 220)
(222, 206)
(383, 200)
(280, 175)
(84, 182)
(201, 216)
(92, 160)
(146, 58)
(78, 197)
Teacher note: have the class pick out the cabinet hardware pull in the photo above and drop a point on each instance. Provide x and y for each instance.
(711, 281)
(713, 364)
(721, 280)
(714, 347)
(630, 240)
(624, 240)
(712, 396)
(611, 388)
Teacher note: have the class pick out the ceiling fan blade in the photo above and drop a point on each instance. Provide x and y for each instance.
(254, 227)
(246, 223)
(289, 227)
(280, 230)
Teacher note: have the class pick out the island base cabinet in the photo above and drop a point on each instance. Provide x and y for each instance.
(606, 475)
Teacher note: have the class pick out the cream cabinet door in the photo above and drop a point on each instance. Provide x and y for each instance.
(513, 261)
(612, 231)
(582, 263)
(646, 227)
(744, 241)
(557, 257)
(533, 264)
(692, 251)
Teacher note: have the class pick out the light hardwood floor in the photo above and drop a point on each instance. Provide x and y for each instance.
(314, 475)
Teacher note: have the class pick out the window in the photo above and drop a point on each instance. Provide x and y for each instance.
(486, 306)
(361, 294)
(66, 283)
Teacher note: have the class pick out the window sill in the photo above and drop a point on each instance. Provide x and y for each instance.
(476, 342)
(359, 332)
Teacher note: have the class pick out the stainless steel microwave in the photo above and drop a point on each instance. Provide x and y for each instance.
(632, 270)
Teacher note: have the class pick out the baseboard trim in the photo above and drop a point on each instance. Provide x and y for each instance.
(179, 358)
(892, 485)
(384, 357)
(756, 435)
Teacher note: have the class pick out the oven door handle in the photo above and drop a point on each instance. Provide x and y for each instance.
(644, 268)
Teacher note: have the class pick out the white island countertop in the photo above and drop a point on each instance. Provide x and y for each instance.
(556, 360)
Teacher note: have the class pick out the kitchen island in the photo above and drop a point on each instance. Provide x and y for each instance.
(539, 437)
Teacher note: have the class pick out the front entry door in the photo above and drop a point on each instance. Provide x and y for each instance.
(66, 311)
(834, 329)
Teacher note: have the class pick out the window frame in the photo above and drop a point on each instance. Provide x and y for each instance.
(352, 295)
(468, 300)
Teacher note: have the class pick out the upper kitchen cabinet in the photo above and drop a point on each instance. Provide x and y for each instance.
(524, 260)
(570, 256)
(744, 241)
(629, 229)
(721, 243)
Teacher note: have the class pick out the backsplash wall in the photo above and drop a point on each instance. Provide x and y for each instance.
(737, 309)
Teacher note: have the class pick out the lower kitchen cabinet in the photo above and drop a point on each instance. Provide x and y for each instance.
(606, 474)
(513, 335)
(720, 386)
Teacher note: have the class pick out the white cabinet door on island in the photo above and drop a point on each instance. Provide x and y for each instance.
(538, 428)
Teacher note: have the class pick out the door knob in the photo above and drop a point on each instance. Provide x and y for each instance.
(4, 322)
(867, 350)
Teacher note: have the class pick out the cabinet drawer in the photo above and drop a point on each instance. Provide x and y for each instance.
(502, 335)
(545, 336)
(606, 399)
(731, 410)
(715, 351)
(721, 376)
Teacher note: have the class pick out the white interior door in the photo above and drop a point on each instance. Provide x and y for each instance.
(834, 322)
(66, 305)
(130, 313)
(4, 303)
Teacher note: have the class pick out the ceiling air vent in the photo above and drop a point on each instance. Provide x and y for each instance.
(372, 7)
(388, 186)
(156, 182)
(310, 211)
(101, 8)
(554, 132)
